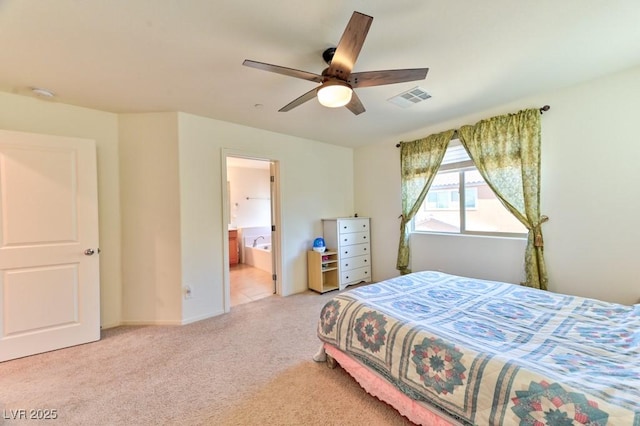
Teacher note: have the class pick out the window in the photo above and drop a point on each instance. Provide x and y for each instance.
(460, 201)
(449, 198)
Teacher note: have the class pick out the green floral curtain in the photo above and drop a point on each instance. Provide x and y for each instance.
(419, 162)
(506, 151)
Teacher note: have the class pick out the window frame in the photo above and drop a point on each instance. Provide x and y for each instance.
(461, 167)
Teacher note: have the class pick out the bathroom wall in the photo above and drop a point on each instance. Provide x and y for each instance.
(249, 200)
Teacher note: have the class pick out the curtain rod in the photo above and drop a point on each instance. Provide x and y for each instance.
(455, 132)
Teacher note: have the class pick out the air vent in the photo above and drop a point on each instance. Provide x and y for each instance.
(410, 97)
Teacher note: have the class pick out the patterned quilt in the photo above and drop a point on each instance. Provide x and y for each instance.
(491, 353)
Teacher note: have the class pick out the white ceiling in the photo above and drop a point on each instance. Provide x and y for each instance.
(186, 55)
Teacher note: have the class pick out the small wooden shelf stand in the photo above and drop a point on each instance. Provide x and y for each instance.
(322, 270)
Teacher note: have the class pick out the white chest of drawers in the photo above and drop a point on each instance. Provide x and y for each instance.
(350, 236)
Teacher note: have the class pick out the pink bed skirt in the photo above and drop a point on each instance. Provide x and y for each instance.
(377, 386)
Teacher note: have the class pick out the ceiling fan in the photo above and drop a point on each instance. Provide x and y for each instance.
(337, 81)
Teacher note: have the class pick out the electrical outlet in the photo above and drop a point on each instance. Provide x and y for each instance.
(188, 292)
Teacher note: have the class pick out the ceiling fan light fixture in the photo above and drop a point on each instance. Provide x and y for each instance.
(334, 94)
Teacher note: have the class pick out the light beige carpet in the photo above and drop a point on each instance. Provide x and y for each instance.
(252, 366)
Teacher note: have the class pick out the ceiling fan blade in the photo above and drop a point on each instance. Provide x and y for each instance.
(283, 70)
(299, 101)
(355, 106)
(379, 78)
(349, 46)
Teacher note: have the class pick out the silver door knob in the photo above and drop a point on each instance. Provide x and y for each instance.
(89, 252)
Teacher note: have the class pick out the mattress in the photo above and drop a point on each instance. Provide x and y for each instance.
(492, 353)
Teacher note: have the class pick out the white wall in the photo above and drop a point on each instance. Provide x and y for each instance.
(150, 194)
(253, 183)
(27, 114)
(316, 180)
(500, 259)
(589, 190)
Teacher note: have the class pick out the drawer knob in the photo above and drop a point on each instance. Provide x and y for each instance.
(365, 261)
(346, 264)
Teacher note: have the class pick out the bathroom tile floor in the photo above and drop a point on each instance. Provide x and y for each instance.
(249, 284)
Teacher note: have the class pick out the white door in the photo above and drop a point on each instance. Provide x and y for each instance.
(49, 267)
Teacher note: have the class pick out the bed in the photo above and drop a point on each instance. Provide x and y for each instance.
(444, 349)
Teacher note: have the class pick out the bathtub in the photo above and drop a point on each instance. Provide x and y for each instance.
(258, 256)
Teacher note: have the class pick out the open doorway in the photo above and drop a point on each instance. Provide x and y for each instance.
(250, 201)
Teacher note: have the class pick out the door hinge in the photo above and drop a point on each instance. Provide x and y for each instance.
(273, 228)
(273, 179)
(274, 277)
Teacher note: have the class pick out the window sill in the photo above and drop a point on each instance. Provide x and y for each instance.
(501, 236)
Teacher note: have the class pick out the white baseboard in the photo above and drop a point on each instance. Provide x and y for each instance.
(155, 322)
(186, 321)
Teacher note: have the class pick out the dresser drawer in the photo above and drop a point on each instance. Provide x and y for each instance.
(354, 250)
(355, 275)
(349, 263)
(354, 238)
(353, 225)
